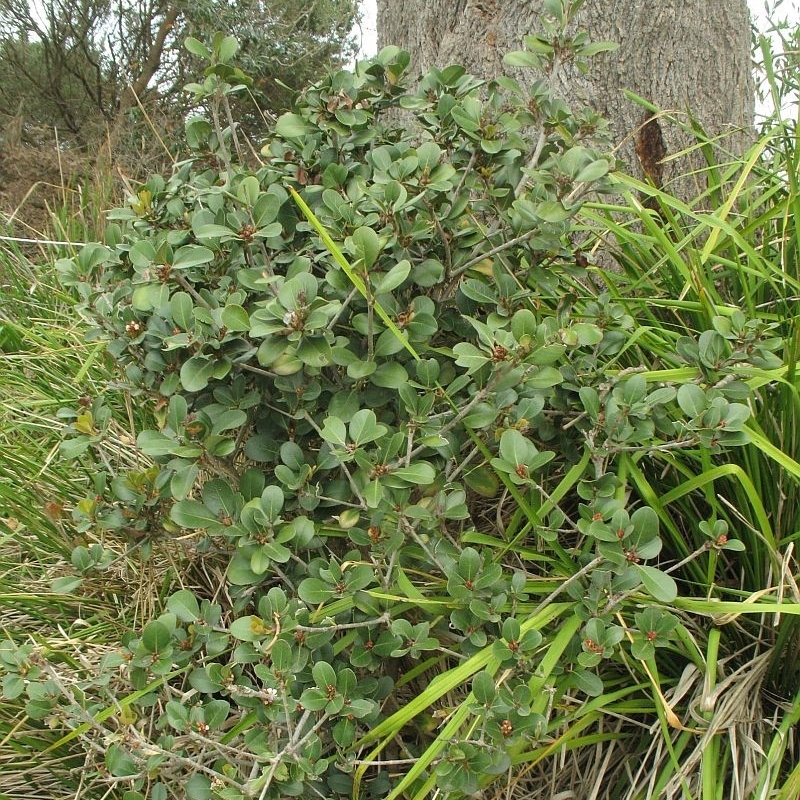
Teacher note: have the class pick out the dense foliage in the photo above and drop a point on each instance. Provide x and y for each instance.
(435, 455)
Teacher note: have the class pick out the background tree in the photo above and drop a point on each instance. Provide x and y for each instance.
(680, 55)
(80, 67)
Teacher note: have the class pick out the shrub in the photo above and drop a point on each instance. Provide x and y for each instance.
(384, 394)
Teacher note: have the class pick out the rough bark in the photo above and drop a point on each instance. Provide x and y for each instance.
(680, 55)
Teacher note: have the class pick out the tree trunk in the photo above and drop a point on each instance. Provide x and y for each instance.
(681, 55)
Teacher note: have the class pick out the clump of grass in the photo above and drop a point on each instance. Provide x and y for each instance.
(685, 268)
(46, 365)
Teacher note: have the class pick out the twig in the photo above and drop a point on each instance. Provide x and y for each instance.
(540, 143)
(383, 619)
(341, 311)
(181, 279)
(480, 396)
(494, 251)
(595, 562)
(343, 466)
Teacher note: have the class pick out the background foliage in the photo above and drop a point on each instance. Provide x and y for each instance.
(98, 87)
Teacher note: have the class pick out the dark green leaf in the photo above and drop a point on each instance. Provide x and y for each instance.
(197, 48)
(515, 448)
(483, 688)
(193, 515)
(183, 604)
(364, 427)
(181, 308)
(660, 585)
(155, 444)
(470, 356)
(120, 763)
(393, 278)
(183, 480)
(198, 787)
(324, 674)
(215, 712)
(228, 420)
(420, 473)
(314, 591)
(365, 246)
(156, 636)
(314, 699)
(390, 375)
(692, 399)
(196, 372)
(191, 255)
(235, 318)
(293, 126)
(272, 500)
